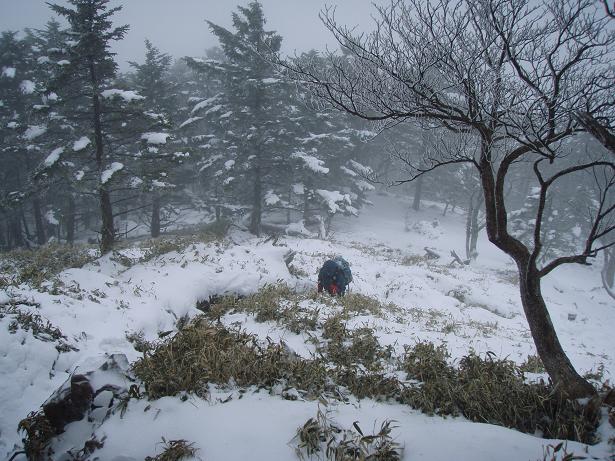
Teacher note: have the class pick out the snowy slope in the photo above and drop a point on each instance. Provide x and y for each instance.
(470, 307)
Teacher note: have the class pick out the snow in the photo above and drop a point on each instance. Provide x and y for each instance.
(160, 184)
(50, 216)
(298, 189)
(229, 164)
(8, 72)
(364, 186)
(27, 86)
(361, 169)
(270, 80)
(126, 95)
(190, 121)
(135, 182)
(155, 138)
(79, 175)
(205, 103)
(213, 109)
(271, 198)
(81, 143)
(12, 125)
(50, 97)
(34, 131)
(109, 172)
(333, 198)
(53, 157)
(311, 162)
(95, 306)
(63, 62)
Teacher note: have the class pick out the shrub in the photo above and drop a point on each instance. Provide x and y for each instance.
(203, 353)
(41, 264)
(492, 391)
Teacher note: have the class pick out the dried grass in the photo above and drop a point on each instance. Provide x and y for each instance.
(41, 264)
(492, 391)
(174, 450)
(321, 435)
(203, 353)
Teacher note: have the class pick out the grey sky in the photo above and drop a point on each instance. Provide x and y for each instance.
(177, 27)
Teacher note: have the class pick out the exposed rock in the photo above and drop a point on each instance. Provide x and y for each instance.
(70, 403)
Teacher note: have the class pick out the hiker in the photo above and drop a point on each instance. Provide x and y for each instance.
(334, 276)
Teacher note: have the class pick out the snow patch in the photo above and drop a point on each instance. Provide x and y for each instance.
(81, 143)
(190, 121)
(50, 216)
(155, 138)
(53, 157)
(126, 95)
(311, 162)
(27, 86)
(8, 72)
(34, 131)
(333, 199)
(205, 103)
(109, 172)
(271, 198)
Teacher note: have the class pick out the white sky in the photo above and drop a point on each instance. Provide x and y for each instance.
(178, 27)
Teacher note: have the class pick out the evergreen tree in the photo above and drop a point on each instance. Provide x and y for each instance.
(156, 159)
(91, 66)
(243, 120)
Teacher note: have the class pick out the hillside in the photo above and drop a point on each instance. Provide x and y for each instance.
(147, 290)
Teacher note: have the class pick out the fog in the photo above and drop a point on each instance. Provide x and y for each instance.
(179, 28)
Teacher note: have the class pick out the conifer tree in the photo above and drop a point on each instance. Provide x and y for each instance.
(91, 66)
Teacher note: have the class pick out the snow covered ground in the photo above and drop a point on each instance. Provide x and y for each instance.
(464, 307)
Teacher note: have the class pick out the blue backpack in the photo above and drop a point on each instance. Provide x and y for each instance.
(336, 272)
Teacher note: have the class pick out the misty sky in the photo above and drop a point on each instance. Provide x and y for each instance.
(177, 27)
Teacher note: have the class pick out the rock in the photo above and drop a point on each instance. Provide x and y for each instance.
(609, 399)
(70, 403)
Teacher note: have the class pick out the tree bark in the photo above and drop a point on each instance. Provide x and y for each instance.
(418, 190)
(107, 231)
(15, 235)
(257, 203)
(155, 224)
(38, 221)
(608, 272)
(472, 226)
(70, 220)
(565, 378)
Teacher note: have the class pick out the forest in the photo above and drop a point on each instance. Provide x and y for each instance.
(491, 121)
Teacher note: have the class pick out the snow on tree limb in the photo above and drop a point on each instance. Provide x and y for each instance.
(109, 172)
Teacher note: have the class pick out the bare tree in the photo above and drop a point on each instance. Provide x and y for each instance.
(508, 73)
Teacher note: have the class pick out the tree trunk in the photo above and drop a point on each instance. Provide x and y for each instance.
(608, 272)
(107, 231)
(70, 220)
(15, 235)
(565, 378)
(257, 204)
(472, 226)
(418, 191)
(3, 242)
(155, 224)
(38, 221)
